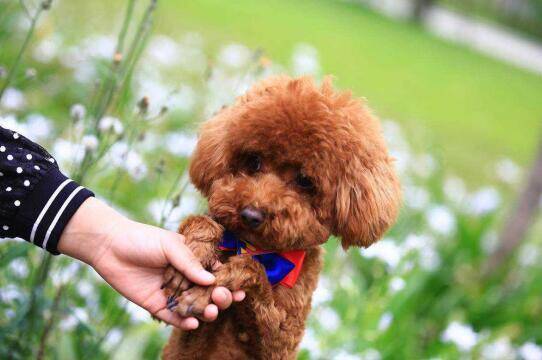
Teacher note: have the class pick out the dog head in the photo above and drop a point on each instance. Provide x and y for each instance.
(291, 163)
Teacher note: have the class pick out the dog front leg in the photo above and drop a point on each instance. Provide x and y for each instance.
(243, 273)
(201, 236)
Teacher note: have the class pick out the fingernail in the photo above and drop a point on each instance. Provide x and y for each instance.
(207, 276)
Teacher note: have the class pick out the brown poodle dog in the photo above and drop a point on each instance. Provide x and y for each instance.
(284, 168)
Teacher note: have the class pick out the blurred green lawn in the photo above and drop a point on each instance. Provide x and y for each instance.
(470, 108)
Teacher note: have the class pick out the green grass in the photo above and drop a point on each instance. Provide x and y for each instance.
(470, 108)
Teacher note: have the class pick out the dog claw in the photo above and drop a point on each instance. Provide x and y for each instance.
(171, 306)
(170, 300)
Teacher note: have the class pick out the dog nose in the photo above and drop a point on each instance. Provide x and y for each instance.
(252, 217)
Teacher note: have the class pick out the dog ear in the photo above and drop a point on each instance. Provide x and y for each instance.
(367, 204)
(210, 159)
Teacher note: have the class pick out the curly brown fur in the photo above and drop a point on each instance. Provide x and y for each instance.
(312, 163)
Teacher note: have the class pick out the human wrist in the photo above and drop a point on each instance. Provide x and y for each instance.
(88, 234)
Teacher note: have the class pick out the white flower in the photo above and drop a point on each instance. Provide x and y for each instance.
(12, 99)
(85, 288)
(118, 152)
(164, 51)
(137, 314)
(189, 205)
(310, 342)
(396, 284)
(121, 156)
(530, 351)
(234, 56)
(345, 355)
(181, 144)
(424, 165)
(19, 268)
(484, 201)
(429, 259)
(47, 49)
(386, 251)
(114, 337)
(441, 220)
(371, 354)
(323, 292)
(118, 128)
(328, 318)
(500, 349)
(305, 60)
(10, 293)
(10, 314)
(90, 142)
(529, 254)
(9, 121)
(424, 245)
(61, 276)
(68, 323)
(417, 242)
(39, 127)
(461, 335)
(99, 46)
(455, 189)
(76, 316)
(85, 72)
(81, 314)
(508, 171)
(108, 123)
(135, 166)
(394, 136)
(183, 99)
(490, 241)
(385, 321)
(157, 93)
(416, 197)
(403, 159)
(78, 112)
(66, 152)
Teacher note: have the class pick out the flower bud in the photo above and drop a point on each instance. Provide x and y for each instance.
(77, 112)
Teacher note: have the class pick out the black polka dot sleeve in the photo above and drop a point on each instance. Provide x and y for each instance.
(36, 199)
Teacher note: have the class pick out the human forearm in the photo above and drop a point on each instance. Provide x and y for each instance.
(88, 234)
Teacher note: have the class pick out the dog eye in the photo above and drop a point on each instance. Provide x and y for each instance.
(253, 163)
(304, 182)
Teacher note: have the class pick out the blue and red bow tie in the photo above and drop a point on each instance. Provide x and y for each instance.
(281, 268)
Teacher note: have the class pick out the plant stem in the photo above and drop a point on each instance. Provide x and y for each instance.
(125, 25)
(26, 42)
(37, 289)
(50, 323)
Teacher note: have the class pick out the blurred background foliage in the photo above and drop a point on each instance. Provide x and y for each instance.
(116, 91)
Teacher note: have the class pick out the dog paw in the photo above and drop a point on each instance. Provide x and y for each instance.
(192, 302)
(174, 284)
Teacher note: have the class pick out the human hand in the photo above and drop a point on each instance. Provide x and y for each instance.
(132, 257)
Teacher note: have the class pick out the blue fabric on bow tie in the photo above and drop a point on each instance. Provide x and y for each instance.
(281, 268)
